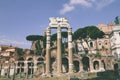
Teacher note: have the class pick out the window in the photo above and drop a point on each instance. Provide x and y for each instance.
(99, 43)
(91, 44)
(106, 43)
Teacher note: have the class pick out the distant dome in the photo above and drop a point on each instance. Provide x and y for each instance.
(117, 20)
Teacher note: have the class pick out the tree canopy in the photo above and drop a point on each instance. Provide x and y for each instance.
(88, 32)
(54, 37)
(34, 37)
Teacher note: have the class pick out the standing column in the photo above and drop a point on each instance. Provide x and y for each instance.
(59, 41)
(70, 54)
(48, 52)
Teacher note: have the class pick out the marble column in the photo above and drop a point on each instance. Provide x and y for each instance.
(48, 51)
(70, 54)
(59, 57)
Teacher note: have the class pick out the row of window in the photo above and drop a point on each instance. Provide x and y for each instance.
(99, 43)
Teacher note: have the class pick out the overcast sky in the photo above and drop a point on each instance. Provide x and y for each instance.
(19, 18)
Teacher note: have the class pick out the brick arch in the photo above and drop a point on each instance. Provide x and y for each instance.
(96, 60)
(76, 59)
(29, 57)
(40, 57)
(88, 57)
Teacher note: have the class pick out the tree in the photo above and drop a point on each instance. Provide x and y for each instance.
(93, 32)
(36, 40)
(87, 32)
(64, 36)
(54, 37)
(34, 37)
(20, 51)
(79, 34)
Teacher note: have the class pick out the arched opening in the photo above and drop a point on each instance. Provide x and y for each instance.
(20, 65)
(30, 66)
(91, 44)
(40, 67)
(103, 64)
(85, 62)
(76, 65)
(96, 65)
(65, 66)
(116, 66)
(40, 61)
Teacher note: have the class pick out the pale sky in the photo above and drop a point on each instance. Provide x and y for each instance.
(19, 18)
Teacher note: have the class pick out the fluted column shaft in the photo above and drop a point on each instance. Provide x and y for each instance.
(48, 52)
(59, 41)
(70, 54)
